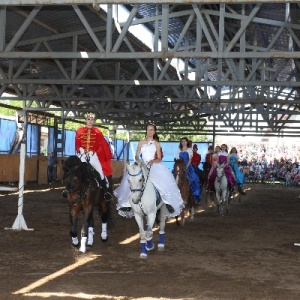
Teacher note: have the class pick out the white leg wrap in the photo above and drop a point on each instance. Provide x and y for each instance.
(104, 231)
(83, 245)
(75, 241)
(90, 241)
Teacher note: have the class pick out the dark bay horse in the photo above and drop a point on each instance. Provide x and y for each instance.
(185, 191)
(84, 193)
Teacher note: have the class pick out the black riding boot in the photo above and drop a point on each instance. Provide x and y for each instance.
(107, 194)
(170, 208)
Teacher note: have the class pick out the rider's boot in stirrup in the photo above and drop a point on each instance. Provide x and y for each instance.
(170, 208)
(107, 194)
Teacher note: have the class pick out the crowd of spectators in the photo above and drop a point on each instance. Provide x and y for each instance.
(270, 164)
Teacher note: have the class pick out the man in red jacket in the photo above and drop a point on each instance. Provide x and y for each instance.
(196, 158)
(91, 146)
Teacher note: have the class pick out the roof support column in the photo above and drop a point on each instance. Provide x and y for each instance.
(2, 27)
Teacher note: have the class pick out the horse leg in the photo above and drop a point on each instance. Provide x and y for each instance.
(162, 225)
(84, 230)
(140, 221)
(90, 240)
(149, 232)
(73, 230)
(104, 213)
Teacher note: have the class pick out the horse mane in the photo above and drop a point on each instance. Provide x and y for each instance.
(80, 169)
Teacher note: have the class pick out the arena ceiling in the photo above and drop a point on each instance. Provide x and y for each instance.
(216, 67)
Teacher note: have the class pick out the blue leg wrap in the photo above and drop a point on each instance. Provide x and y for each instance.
(161, 238)
(143, 248)
(150, 245)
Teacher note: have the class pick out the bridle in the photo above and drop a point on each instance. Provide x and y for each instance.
(222, 175)
(179, 174)
(81, 193)
(219, 178)
(143, 180)
(140, 190)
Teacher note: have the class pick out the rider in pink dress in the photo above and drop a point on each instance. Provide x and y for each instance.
(222, 157)
(214, 160)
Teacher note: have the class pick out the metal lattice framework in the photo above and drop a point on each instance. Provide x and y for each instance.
(217, 67)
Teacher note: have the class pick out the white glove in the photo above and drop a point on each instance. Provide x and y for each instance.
(81, 150)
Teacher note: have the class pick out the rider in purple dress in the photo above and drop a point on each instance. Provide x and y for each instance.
(223, 158)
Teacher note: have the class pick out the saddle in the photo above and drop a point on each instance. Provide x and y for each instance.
(101, 183)
(159, 200)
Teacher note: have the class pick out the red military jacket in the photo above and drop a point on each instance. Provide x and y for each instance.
(196, 159)
(208, 158)
(92, 139)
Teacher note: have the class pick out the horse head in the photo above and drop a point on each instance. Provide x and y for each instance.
(179, 171)
(76, 175)
(136, 180)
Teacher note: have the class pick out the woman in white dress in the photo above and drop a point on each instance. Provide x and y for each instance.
(163, 180)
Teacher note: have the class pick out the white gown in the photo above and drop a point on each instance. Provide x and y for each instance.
(162, 179)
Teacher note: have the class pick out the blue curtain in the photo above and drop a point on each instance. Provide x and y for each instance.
(33, 140)
(7, 132)
(51, 140)
(69, 147)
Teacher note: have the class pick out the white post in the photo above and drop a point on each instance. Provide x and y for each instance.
(20, 221)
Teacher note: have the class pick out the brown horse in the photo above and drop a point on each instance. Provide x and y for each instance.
(185, 191)
(84, 193)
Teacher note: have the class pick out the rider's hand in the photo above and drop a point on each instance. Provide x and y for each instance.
(81, 150)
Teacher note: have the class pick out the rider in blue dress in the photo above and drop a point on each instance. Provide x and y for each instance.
(186, 153)
(239, 176)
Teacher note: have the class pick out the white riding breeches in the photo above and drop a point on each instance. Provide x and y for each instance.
(92, 158)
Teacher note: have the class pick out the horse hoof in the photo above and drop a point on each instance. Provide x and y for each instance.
(104, 240)
(82, 250)
(143, 255)
(75, 245)
(89, 245)
(160, 247)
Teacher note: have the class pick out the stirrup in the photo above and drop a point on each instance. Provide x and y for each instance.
(107, 196)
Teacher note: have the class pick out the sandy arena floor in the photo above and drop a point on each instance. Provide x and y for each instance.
(248, 254)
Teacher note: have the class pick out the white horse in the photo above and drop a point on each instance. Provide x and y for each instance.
(221, 187)
(143, 202)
